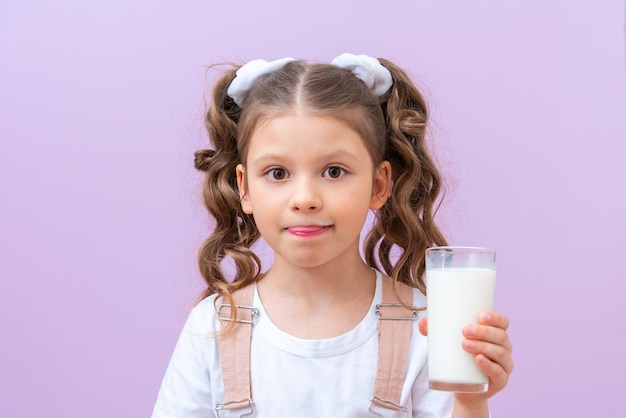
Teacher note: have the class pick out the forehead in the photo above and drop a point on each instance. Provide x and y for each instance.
(304, 135)
(355, 118)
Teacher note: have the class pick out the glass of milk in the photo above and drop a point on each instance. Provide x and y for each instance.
(460, 284)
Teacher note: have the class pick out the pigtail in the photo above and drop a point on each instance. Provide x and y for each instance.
(235, 231)
(407, 219)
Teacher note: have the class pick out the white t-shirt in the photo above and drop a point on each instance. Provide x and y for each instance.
(294, 377)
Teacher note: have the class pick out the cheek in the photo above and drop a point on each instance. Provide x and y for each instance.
(356, 200)
(262, 198)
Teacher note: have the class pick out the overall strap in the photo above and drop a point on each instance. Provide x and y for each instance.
(235, 351)
(395, 323)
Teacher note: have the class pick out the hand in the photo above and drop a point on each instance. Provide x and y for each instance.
(489, 342)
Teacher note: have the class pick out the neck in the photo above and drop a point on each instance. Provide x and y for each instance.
(334, 281)
(319, 302)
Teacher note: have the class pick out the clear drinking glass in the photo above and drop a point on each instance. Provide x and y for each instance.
(460, 284)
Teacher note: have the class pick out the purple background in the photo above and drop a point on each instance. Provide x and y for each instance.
(100, 220)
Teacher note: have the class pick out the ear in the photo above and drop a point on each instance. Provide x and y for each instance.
(382, 185)
(244, 198)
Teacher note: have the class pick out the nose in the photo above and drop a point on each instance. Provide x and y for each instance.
(305, 196)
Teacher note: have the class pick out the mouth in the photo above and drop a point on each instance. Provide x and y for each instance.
(308, 230)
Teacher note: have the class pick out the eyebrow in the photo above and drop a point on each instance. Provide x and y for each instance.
(335, 155)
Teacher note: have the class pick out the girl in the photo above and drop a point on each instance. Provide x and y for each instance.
(302, 152)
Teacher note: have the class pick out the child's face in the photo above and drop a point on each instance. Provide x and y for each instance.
(309, 182)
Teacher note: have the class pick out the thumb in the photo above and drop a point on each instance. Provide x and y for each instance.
(423, 326)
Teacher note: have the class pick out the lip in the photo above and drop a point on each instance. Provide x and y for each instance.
(308, 230)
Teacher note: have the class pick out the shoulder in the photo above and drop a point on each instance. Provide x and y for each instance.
(419, 299)
(203, 317)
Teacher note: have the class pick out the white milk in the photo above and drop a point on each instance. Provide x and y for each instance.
(455, 298)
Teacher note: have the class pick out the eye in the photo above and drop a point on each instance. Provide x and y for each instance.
(334, 172)
(276, 174)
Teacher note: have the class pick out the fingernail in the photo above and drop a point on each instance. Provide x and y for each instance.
(485, 317)
(469, 344)
(469, 330)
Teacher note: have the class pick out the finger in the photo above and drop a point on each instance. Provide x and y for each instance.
(494, 319)
(488, 334)
(423, 326)
(498, 375)
(496, 354)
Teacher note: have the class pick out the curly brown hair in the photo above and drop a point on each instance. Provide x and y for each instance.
(393, 129)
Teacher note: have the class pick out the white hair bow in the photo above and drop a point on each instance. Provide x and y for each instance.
(369, 70)
(247, 75)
